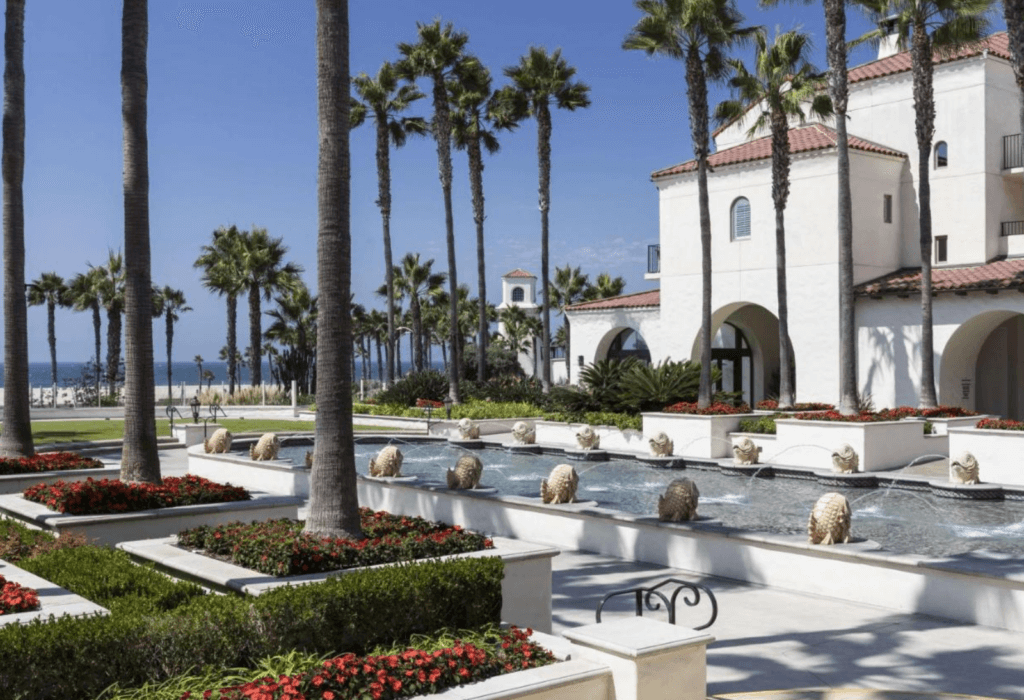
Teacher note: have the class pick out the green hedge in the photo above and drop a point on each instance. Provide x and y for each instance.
(761, 424)
(79, 657)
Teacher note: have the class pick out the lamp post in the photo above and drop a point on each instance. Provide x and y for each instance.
(194, 405)
(448, 407)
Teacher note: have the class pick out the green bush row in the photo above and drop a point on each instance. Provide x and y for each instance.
(79, 657)
(761, 424)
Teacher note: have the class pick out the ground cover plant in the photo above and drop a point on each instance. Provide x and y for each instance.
(19, 542)
(773, 405)
(47, 462)
(405, 673)
(999, 424)
(280, 548)
(887, 414)
(715, 409)
(93, 497)
(15, 598)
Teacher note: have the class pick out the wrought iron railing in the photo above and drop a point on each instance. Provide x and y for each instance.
(654, 258)
(1013, 151)
(1012, 228)
(643, 598)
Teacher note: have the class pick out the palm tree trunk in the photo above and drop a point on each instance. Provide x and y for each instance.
(51, 337)
(924, 109)
(140, 461)
(380, 366)
(384, 201)
(398, 359)
(476, 185)
(544, 192)
(416, 337)
(113, 348)
(16, 439)
(170, 342)
(255, 337)
(232, 342)
(568, 345)
(697, 92)
(333, 504)
(97, 328)
(780, 195)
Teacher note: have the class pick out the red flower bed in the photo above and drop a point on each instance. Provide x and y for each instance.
(889, 414)
(412, 672)
(715, 409)
(280, 548)
(773, 405)
(998, 424)
(15, 598)
(49, 462)
(428, 403)
(835, 416)
(92, 497)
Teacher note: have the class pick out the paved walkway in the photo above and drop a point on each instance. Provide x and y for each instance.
(769, 639)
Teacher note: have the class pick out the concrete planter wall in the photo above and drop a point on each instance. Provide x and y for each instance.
(998, 453)
(161, 522)
(564, 435)
(941, 426)
(272, 476)
(883, 445)
(703, 437)
(16, 483)
(526, 588)
(53, 600)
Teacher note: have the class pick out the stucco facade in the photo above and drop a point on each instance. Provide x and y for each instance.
(977, 307)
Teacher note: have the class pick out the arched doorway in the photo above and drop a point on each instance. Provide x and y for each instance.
(629, 343)
(983, 365)
(732, 355)
(745, 347)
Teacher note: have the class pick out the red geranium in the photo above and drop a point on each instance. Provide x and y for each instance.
(15, 598)
(92, 497)
(715, 409)
(48, 462)
(428, 403)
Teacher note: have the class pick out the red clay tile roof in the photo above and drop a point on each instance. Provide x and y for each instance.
(519, 272)
(997, 44)
(626, 301)
(996, 275)
(812, 137)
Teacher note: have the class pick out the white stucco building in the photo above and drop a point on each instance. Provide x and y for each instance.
(978, 253)
(519, 288)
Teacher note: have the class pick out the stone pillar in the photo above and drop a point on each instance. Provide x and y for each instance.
(191, 433)
(649, 659)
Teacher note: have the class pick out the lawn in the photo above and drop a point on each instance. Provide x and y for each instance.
(51, 431)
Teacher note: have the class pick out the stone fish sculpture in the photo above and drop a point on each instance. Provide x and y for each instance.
(830, 520)
(387, 463)
(587, 439)
(266, 449)
(745, 451)
(679, 502)
(845, 459)
(523, 433)
(661, 445)
(219, 442)
(466, 474)
(964, 470)
(560, 486)
(468, 430)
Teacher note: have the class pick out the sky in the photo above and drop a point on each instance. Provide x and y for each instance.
(233, 140)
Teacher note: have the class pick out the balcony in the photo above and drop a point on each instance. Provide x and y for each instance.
(654, 259)
(1012, 228)
(1013, 152)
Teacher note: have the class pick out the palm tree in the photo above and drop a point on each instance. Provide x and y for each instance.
(169, 303)
(265, 273)
(140, 461)
(699, 33)
(435, 56)
(475, 119)
(520, 327)
(333, 503)
(604, 287)
(294, 328)
(927, 27)
(222, 273)
(569, 287)
(377, 321)
(382, 97)
(538, 82)
(50, 289)
(783, 81)
(110, 280)
(198, 359)
(208, 376)
(16, 439)
(418, 282)
(85, 294)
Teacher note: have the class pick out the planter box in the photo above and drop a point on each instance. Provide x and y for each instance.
(526, 588)
(272, 476)
(16, 483)
(53, 600)
(941, 426)
(998, 453)
(161, 522)
(564, 435)
(702, 437)
(880, 446)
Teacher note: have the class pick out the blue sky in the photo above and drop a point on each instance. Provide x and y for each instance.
(232, 140)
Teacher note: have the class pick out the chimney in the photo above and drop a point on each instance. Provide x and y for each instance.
(888, 44)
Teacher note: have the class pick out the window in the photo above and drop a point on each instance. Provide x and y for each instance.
(941, 155)
(887, 208)
(740, 219)
(518, 294)
(940, 249)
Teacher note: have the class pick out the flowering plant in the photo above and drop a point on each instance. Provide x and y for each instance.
(773, 405)
(715, 409)
(49, 462)
(15, 598)
(428, 403)
(998, 424)
(837, 417)
(280, 548)
(889, 414)
(91, 497)
(385, 676)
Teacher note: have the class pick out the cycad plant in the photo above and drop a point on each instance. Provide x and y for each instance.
(782, 82)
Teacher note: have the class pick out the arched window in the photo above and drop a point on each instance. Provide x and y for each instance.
(518, 294)
(740, 219)
(629, 343)
(941, 155)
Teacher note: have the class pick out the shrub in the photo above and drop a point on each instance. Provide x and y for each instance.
(773, 405)
(91, 497)
(603, 380)
(762, 424)
(482, 410)
(15, 598)
(429, 384)
(78, 657)
(50, 461)
(506, 389)
(247, 396)
(648, 388)
(715, 409)
(622, 421)
(18, 542)
(501, 361)
(280, 548)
